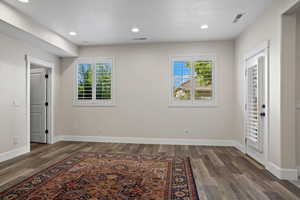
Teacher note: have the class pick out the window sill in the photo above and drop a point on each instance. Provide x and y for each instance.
(193, 106)
(93, 105)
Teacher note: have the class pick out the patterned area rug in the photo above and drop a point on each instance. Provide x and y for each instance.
(95, 176)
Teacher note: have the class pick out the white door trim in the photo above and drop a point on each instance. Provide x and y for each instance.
(29, 61)
(264, 46)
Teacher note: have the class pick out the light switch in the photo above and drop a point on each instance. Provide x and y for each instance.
(15, 103)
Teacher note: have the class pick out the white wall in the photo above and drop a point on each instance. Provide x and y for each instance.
(267, 27)
(297, 89)
(288, 112)
(142, 95)
(13, 89)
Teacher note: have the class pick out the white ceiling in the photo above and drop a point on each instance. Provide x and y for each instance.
(110, 21)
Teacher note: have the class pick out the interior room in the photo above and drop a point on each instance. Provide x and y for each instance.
(150, 100)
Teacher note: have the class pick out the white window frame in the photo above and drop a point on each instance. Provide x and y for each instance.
(192, 102)
(94, 101)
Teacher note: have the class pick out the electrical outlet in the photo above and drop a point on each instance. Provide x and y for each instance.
(186, 131)
(15, 140)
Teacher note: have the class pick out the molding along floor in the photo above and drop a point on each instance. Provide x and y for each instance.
(13, 153)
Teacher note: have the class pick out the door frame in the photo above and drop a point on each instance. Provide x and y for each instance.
(265, 46)
(50, 115)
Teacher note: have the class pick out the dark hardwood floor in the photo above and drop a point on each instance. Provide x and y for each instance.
(34, 146)
(220, 172)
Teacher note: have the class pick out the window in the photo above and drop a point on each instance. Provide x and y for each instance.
(94, 81)
(193, 81)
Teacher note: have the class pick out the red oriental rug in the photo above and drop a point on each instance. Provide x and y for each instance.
(95, 176)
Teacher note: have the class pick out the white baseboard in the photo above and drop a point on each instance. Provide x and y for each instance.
(239, 146)
(298, 169)
(282, 173)
(12, 154)
(57, 139)
(140, 140)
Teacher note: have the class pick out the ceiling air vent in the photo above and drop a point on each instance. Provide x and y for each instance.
(238, 17)
(140, 38)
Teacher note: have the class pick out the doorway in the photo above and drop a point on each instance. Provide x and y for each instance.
(256, 104)
(40, 100)
(39, 94)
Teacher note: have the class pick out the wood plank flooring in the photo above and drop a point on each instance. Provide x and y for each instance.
(220, 172)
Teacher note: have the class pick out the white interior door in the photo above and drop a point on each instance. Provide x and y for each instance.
(38, 112)
(256, 106)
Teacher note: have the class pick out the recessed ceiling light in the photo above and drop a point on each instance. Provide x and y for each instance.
(141, 38)
(135, 30)
(204, 26)
(238, 17)
(72, 33)
(24, 1)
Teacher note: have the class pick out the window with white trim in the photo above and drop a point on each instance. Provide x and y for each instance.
(94, 81)
(193, 81)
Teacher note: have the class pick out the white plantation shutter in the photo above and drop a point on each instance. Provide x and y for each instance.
(103, 81)
(254, 103)
(84, 81)
(94, 81)
(193, 81)
(202, 91)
